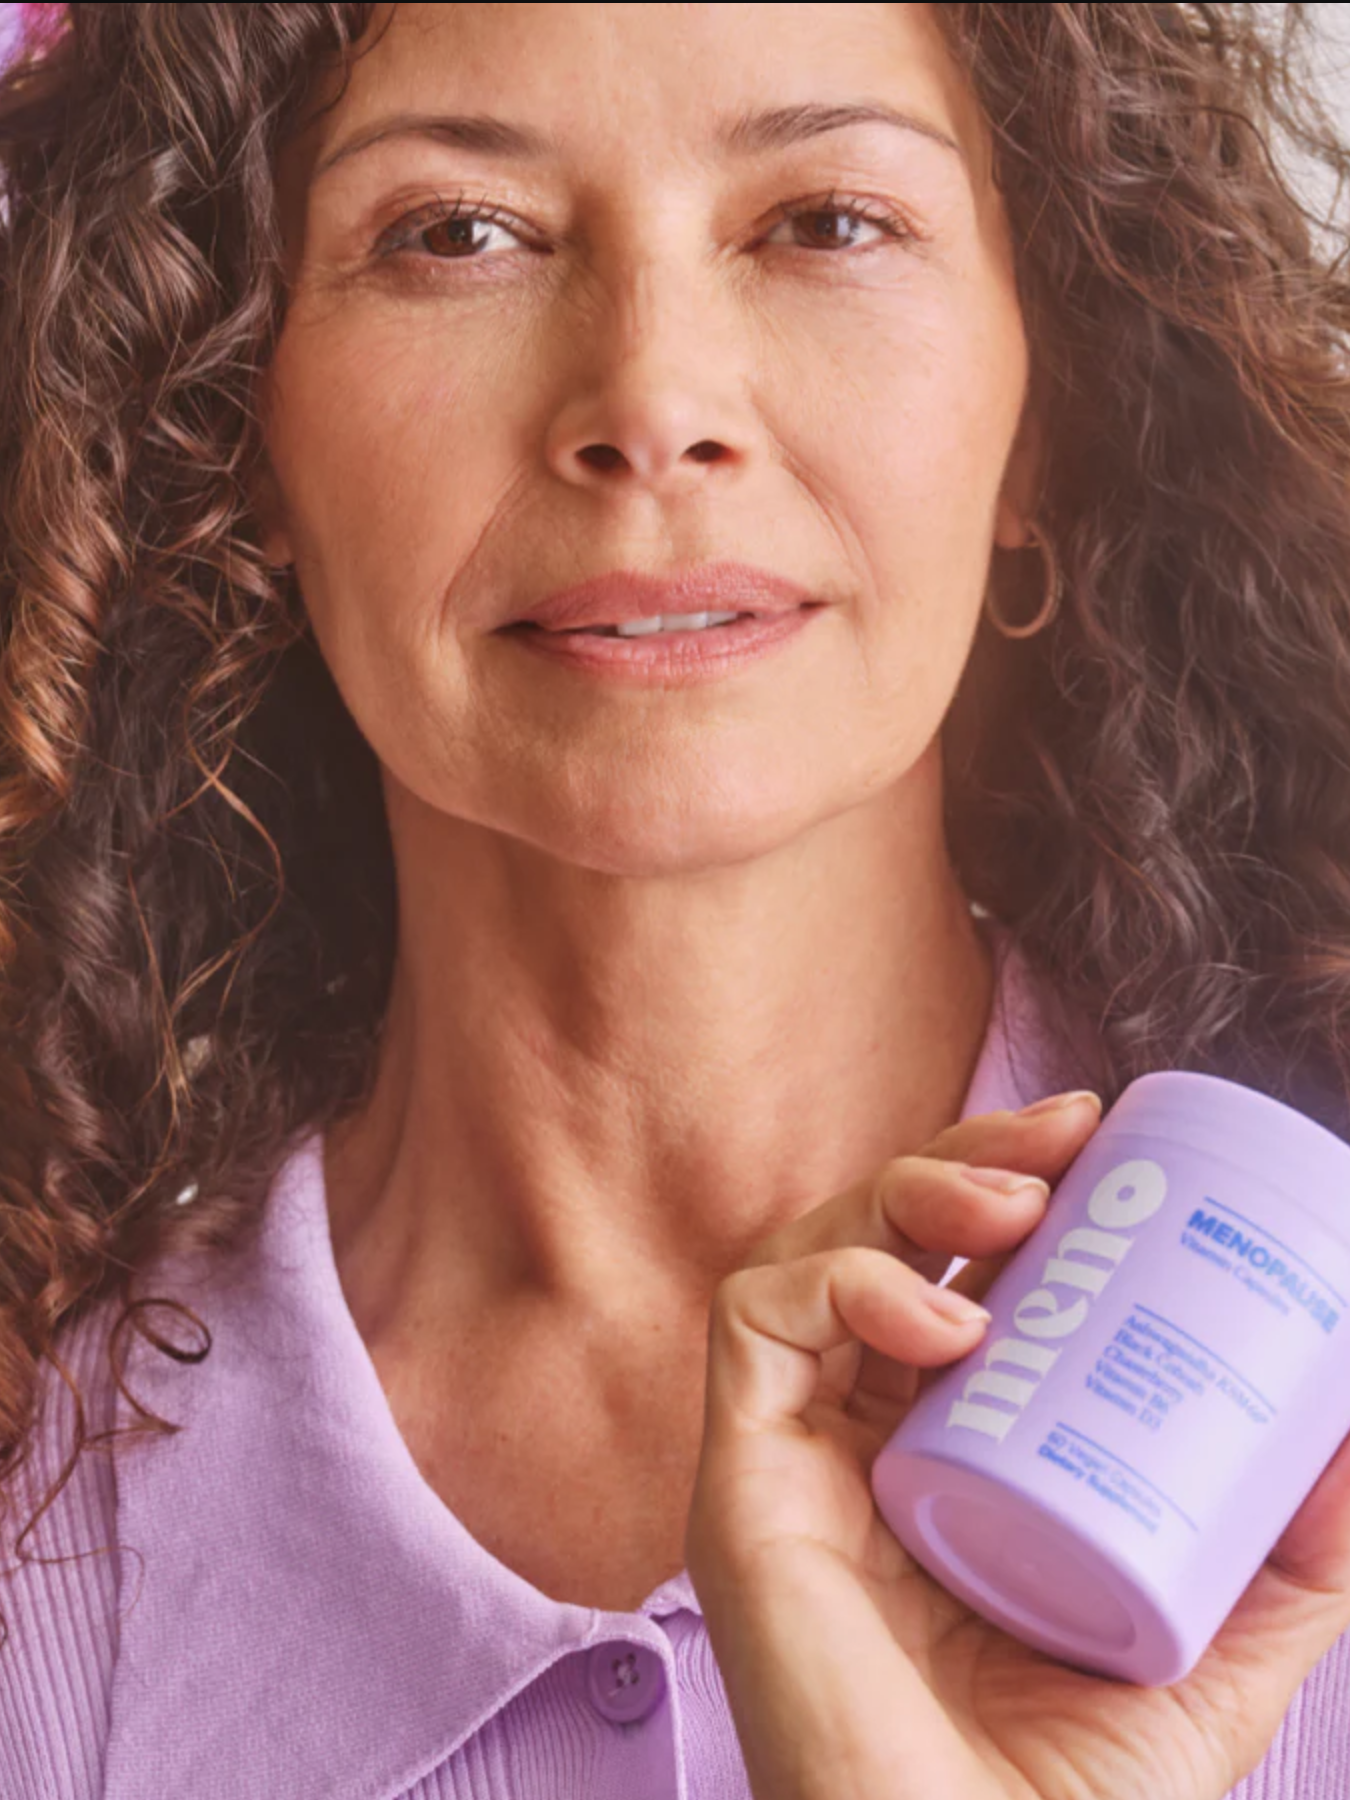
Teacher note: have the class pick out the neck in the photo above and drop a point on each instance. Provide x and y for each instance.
(594, 1092)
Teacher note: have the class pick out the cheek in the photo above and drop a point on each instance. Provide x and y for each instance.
(393, 468)
(921, 463)
(936, 404)
(371, 446)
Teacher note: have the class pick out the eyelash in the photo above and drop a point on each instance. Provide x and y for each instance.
(402, 233)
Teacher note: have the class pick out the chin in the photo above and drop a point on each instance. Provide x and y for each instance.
(681, 835)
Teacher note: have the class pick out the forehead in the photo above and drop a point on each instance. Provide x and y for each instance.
(644, 78)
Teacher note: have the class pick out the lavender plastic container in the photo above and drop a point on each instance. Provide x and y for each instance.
(1165, 1376)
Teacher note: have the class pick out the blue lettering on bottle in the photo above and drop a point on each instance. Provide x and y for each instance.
(1260, 1256)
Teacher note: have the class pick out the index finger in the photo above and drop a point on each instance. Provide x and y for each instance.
(906, 1206)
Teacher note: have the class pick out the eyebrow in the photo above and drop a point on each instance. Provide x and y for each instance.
(744, 134)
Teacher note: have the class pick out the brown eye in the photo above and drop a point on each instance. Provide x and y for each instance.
(460, 231)
(838, 225)
(837, 215)
(455, 234)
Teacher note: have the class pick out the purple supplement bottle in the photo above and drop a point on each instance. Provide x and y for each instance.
(1165, 1376)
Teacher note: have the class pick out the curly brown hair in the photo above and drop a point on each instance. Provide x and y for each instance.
(197, 900)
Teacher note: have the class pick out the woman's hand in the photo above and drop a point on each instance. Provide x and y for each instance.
(851, 1673)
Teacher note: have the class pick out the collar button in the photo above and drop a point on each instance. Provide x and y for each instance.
(625, 1682)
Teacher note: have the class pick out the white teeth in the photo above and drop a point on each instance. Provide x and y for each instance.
(674, 622)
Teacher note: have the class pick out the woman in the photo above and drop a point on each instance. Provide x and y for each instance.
(546, 1044)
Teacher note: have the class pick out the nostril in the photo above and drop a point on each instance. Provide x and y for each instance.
(601, 456)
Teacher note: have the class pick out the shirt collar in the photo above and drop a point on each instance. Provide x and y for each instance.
(300, 1612)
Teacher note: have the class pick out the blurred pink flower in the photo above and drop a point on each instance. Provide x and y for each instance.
(41, 25)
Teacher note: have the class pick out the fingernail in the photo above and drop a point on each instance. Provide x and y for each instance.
(1058, 1102)
(950, 1305)
(1004, 1181)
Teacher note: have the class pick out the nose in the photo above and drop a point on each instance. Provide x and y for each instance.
(645, 459)
(658, 393)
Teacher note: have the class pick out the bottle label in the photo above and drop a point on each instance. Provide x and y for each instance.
(1186, 1320)
(1085, 1259)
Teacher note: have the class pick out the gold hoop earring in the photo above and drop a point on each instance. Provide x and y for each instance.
(1050, 602)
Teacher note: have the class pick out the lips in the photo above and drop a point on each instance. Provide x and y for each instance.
(623, 594)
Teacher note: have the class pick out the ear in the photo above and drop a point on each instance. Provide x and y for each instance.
(264, 491)
(1020, 495)
(270, 513)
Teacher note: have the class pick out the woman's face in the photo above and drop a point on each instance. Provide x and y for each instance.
(799, 349)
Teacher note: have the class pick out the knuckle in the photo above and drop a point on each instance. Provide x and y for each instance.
(730, 1289)
(904, 1184)
(766, 1250)
(896, 1178)
(861, 1264)
(951, 1141)
(734, 1296)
